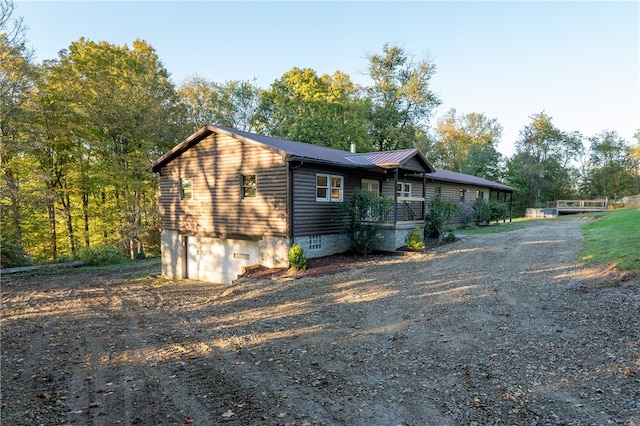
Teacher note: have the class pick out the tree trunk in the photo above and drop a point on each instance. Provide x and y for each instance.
(14, 208)
(52, 228)
(85, 216)
(65, 200)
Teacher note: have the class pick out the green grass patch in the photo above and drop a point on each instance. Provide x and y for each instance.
(613, 238)
(493, 228)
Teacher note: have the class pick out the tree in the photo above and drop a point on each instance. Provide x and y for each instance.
(232, 104)
(95, 148)
(467, 144)
(610, 171)
(401, 98)
(17, 76)
(322, 110)
(541, 167)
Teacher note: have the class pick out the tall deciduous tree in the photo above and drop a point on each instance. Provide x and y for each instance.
(541, 168)
(467, 144)
(611, 167)
(17, 76)
(232, 104)
(323, 110)
(402, 101)
(120, 111)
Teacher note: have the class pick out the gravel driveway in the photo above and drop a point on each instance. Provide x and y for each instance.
(505, 328)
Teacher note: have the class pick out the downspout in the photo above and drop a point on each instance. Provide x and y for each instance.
(289, 203)
(424, 195)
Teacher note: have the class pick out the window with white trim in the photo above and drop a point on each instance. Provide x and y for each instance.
(186, 189)
(462, 194)
(370, 185)
(480, 195)
(403, 189)
(329, 187)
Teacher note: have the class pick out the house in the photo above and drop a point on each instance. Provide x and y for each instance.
(231, 199)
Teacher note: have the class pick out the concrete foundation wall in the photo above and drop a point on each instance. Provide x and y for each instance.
(218, 260)
(171, 249)
(323, 245)
(394, 237)
(222, 260)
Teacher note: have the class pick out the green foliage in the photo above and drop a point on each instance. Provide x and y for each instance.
(540, 169)
(439, 215)
(323, 110)
(151, 241)
(100, 255)
(297, 257)
(467, 144)
(450, 238)
(12, 255)
(366, 211)
(232, 104)
(401, 98)
(486, 212)
(415, 240)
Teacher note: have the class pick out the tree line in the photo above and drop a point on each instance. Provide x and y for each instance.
(79, 131)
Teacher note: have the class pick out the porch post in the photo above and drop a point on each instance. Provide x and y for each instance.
(395, 197)
(510, 206)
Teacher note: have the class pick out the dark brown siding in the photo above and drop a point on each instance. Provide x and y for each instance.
(215, 166)
(318, 217)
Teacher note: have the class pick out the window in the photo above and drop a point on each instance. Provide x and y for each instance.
(403, 189)
(370, 185)
(480, 195)
(186, 189)
(249, 186)
(439, 192)
(329, 188)
(462, 192)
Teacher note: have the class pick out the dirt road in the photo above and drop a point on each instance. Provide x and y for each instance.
(504, 328)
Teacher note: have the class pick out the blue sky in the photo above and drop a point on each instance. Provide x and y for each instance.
(579, 62)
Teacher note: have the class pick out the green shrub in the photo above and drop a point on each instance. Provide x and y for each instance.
(297, 258)
(100, 255)
(450, 238)
(486, 212)
(366, 212)
(12, 255)
(415, 240)
(439, 215)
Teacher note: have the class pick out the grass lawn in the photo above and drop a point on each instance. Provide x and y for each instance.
(614, 238)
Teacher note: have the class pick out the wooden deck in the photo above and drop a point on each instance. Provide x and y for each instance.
(580, 206)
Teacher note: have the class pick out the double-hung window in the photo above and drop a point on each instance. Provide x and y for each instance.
(329, 187)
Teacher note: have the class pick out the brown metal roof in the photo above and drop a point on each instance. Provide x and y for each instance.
(455, 177)
(305, 152)
(320, 154)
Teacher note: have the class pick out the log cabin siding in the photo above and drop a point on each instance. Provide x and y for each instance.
(313, 217)
(216, 166)
(451, 191)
